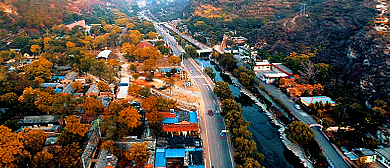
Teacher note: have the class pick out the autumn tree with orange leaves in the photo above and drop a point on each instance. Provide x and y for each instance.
(103, 86)
(74, 126)
(92, 106)
(33, 140)
(130, 117)
(43, 160)
(150, 104)
(44, 102)
(139, 153)
(11, 146)
(68, 156)
(108, 145)
(77, 86)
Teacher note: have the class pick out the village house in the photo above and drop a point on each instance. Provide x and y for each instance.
(69, 77)
(271, 72)
(383, 156)
(185, 151)
(366, 153)
(47, 123)
(317, 99)
(105, 54)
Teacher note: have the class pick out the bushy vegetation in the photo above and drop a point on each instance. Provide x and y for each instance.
(245, 146)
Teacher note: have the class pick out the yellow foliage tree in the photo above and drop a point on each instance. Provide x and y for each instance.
(69, 156)
(152, 35)
(130, 117)
(74, 126)
(130, 50)
(113, 62)
(103, 86)
(139, 153)
(41, 68)
(150, 53)
(11, 145)
(36, 49)
(174, 59)
(155, 118)
(70, 44)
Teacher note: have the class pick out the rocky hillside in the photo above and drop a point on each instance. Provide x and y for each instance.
(259, 9)
(343, 32)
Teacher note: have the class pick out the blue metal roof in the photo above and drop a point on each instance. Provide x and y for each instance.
(57, 90)
(160, 160)
(193, 117)
(190, 149)
(196, 166)
(170, 120)
(49, 85)
(61, 77)
(175, 153)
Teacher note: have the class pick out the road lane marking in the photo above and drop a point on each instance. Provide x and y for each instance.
(218, 145)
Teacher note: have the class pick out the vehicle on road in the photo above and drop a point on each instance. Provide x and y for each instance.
(161, 88)
(297, 106)
(210, 112)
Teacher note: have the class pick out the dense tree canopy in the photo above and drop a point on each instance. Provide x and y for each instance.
(299, 132)
(222, 90)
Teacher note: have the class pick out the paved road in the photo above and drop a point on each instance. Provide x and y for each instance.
(216, 146)
(335, 158)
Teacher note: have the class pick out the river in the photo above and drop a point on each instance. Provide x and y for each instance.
(265, 134)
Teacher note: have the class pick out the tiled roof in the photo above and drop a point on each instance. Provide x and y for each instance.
(384, 152)
(144, 44)
(181, 127)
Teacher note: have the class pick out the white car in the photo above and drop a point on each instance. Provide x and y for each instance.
(297, 107)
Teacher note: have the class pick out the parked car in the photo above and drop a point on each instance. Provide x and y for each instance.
(297, 107)
(210, 112)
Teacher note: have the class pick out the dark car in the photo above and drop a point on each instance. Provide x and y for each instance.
(210, 112)
(161, 88)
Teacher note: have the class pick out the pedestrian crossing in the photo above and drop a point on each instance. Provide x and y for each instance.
(197, 76)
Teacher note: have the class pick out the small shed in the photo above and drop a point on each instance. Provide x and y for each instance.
(104, 54)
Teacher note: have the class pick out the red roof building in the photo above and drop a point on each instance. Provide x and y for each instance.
(180, 128)
(144, 44)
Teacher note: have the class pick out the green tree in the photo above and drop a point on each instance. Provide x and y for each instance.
(299, 133)
(145, 92)
(222, 90)
(191, 51)
(229, 105)
(209, 72)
